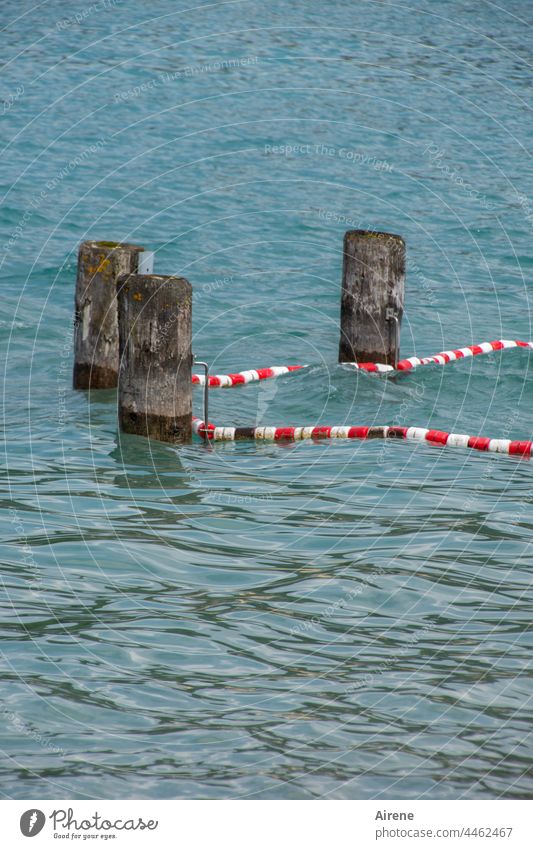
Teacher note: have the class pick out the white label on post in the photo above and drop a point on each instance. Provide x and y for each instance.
(146, 262)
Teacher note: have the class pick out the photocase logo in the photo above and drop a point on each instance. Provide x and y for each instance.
(32, 822)
(266, 393)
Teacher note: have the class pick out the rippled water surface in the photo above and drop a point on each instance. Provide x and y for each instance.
(345, 620)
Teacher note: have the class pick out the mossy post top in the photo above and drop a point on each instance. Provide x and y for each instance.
(102, 245)
(155, 280)
(147, 286)
(373, 234)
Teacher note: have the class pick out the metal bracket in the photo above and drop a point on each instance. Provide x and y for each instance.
(391, 314)
(206, 395)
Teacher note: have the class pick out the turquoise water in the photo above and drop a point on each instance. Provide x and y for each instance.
(268, 621)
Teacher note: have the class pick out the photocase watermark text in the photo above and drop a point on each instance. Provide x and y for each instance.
(183, 73)
(79, 17)
(345, 153)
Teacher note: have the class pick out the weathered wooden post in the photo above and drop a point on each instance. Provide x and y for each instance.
(96, 325)
(373, 278)
(155, 335)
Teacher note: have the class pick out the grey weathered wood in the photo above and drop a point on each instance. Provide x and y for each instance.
(155, 334)
(373, 278)
(96, 325)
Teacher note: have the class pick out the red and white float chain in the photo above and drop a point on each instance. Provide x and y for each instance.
(445, 356)
(253, 375)
(522, 448)
(241, 377)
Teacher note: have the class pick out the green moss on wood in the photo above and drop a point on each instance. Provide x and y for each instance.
(372, 234)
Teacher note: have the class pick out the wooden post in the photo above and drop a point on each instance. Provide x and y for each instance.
(155, 335)
(373, 277)
(96, 325)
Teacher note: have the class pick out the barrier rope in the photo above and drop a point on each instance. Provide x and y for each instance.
(520, 448)
(225, 380)
(445, 357)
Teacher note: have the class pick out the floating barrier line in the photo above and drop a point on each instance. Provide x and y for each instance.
(445, 357)
(520, 448)
(225, 380)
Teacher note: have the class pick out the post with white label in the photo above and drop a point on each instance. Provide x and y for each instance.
(96, 324)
